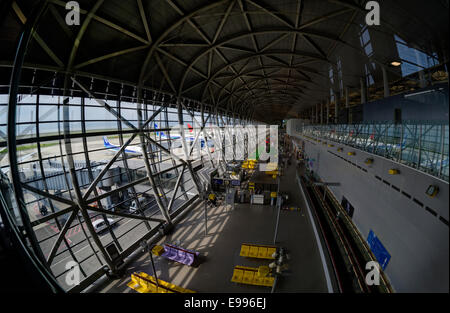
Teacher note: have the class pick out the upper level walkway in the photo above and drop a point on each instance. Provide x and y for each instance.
(423, 146)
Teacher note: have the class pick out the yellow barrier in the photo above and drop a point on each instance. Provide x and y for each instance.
(144, 283)
(257, 251)
(251, 276)
(158, 250)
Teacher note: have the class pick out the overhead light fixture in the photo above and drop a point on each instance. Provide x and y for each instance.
(432, 191)
(368, 161)
(422, 92)
(396, 63)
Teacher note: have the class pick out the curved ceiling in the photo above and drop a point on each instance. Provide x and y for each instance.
(272, 56)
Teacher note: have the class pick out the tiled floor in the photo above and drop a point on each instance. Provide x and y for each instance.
(228, 228)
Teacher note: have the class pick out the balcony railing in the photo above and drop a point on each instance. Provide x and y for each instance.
(424, 146)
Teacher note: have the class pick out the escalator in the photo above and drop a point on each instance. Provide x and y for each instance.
(347, 250)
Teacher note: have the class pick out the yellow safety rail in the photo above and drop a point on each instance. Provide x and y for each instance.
(251, 276)
(257, 251)
(144, 283)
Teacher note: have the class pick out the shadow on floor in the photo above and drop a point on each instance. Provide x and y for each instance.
(228, 228)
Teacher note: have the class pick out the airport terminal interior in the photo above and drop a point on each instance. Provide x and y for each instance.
(229, 146)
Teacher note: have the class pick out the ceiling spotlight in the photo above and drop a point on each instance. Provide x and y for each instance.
(432, 191)
(396, 63)
(393, 171)
(368, 161)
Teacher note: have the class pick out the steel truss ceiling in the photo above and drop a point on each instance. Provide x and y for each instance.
(206, 50)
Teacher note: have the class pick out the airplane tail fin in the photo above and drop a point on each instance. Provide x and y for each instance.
(190, 127)
(106, 142)
(403, 145)
(158, 133)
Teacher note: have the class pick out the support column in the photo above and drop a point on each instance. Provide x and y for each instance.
(148, 167)
(347, 100)
(321, 113)
(363, 90)
(27, 229)
(317, 114)
(184, 146)
(336, 108)
(385, 82)
(328, 110)
(422, 80)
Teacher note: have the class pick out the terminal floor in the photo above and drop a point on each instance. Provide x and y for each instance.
(228, 228)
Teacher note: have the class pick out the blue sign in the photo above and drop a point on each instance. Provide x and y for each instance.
(378, 250)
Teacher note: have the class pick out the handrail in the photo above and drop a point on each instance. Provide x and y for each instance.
(357, 235)
(424, 150)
